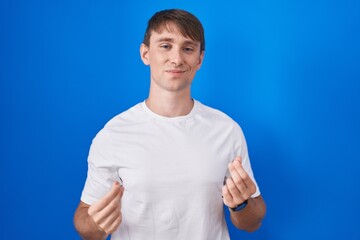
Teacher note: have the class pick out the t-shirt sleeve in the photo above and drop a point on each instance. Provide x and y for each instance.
(101, 174)
(241, 150)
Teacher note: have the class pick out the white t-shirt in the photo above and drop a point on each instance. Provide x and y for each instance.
(173, 170)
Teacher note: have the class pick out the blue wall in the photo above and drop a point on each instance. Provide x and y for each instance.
(287, 71)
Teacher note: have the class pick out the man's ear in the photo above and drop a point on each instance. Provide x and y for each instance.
(201, 58)
(144, 54)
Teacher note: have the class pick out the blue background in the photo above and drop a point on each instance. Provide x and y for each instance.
(287, 71)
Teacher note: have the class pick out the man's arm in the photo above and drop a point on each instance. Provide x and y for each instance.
(102, 218)
(249, 218)
(236, 191)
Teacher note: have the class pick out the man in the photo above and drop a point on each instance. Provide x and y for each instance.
(171, 152)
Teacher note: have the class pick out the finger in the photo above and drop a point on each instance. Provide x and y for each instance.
(103, 202)
(236, 195)
(248, 184)
(105, 215)
(122, 189)
(240, 170)
(115, 224)
(238, 158)
(227, 198)
(238, 181)
(112, 206)
(107, 223)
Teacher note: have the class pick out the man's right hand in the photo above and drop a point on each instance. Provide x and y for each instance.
(106, 213)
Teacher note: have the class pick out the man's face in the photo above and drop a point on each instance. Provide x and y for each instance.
(173, 59)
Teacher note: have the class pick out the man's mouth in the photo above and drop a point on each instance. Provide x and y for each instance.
(175, 71)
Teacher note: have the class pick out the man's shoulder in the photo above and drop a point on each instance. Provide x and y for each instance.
(214, 114)
(131, 116)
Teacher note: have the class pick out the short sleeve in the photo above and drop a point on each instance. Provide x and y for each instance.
(101, 174)
(240, 149)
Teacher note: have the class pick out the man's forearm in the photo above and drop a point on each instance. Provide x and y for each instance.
(249, 218)
(85, 226)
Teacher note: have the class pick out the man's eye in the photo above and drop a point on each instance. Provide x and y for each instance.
(165, 46)
(188, 49)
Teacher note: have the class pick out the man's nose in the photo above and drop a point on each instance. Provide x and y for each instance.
(176, 57)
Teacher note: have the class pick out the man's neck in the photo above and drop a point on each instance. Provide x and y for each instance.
(170, 104)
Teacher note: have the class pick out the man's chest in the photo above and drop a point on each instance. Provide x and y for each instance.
(171, 157)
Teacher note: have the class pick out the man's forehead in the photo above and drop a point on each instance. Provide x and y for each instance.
(169, 31)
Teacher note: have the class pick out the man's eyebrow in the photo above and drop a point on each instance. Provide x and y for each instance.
(190, 42)
(166, 39)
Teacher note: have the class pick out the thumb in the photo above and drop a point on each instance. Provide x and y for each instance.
(114, 191)
(106, 199)
(238, 158)
(118, 188)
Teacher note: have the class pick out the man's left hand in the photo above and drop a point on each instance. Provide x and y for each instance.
(239, 187)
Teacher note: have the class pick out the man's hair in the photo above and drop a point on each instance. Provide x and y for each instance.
(188, 25)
